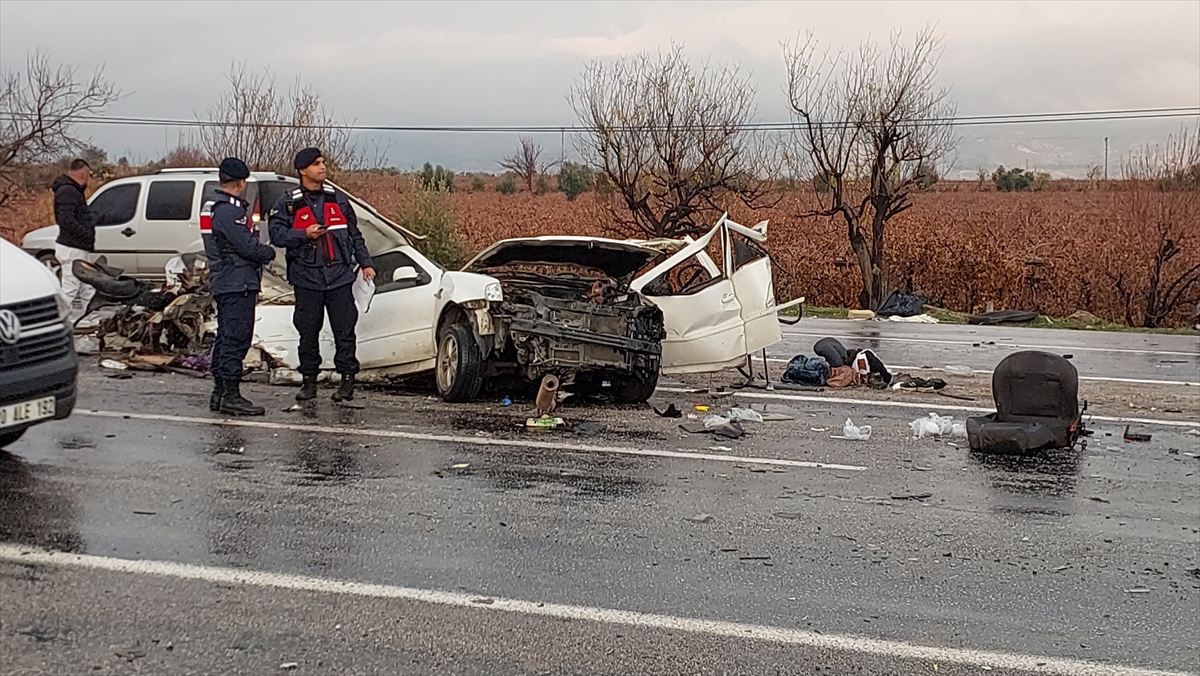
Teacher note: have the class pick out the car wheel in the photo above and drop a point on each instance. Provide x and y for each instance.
(459, 369)
(48, 259)
(635, 389)
(8, 438)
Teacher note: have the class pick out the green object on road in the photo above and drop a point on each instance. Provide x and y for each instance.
(545, 422)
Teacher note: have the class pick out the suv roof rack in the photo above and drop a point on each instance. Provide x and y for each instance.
(188, 171)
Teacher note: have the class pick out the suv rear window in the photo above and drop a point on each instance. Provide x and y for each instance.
(117, 205)
(170, 200)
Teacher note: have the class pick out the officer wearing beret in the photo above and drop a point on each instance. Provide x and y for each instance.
(235, 258)
(317, 227)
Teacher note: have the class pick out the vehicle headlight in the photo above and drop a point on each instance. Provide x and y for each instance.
(493, 292)
(64, 306)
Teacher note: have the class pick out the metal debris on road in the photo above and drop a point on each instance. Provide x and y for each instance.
(912, 496)
(671, 411)
(699, 518)
(1134, 436)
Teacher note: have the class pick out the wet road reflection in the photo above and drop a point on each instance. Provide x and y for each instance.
(34, 510)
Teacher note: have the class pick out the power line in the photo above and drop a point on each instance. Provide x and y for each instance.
(961, 121)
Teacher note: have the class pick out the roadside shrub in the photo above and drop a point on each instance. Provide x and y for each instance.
(507, 185)
(436, 178)
(926, 177)
(1012, 180)
(574, 180)
(427, 213)
(478, 184)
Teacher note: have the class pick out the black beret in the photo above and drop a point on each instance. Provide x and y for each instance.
(234, 168)
(306, 157)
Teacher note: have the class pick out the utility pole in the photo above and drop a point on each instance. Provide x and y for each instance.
(1106, 159)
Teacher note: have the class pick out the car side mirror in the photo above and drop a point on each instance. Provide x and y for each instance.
(405, 274)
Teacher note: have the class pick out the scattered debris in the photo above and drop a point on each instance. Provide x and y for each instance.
(754, 558)
(1097, 499)
(777, 417)
(745, 415)
(854, 432)
(699, 518)
(671, 411)
(958, 370)
(483, 601)
(293, 408)
(936, 426)
(912, 496)
(289, 666)
(543, 423)
(113, 364)
(789, 515)
(144, 512)
(461, 465)
(1134, 436)
(1138, 590)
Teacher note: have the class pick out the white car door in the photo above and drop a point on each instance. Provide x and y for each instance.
(397, 328)
(171, 223)
(753, 282)
(116, 208)
(701, 312)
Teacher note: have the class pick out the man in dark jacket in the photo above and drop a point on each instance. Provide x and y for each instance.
(235, 259)
(76, 234)
(318, 228)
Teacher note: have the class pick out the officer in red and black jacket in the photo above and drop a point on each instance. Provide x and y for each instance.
(235, 261)
(325, 254)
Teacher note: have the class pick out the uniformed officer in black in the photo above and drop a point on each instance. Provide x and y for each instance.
(235, 259)
(317, 226)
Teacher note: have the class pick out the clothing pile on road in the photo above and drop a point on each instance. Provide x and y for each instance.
(835, 366)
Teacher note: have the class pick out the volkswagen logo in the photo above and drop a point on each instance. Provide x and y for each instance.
(10, 327)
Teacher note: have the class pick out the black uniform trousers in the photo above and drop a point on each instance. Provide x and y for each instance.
(235, 331)
(309, 317)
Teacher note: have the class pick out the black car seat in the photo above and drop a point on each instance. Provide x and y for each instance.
(1037, 406)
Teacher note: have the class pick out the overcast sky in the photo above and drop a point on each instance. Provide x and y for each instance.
(512, 62)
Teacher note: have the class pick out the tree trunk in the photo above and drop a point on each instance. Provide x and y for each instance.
(878, 260)
(863, 254)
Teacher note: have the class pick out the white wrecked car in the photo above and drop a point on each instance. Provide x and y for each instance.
(616, 314)
(601, 313)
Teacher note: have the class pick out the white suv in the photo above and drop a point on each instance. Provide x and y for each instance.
(144, 221)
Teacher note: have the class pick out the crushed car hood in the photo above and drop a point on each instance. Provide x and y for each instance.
(619, 260)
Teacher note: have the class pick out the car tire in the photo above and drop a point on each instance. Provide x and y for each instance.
(459, 365)
(10, 437)
(635, 389)
(48, 259)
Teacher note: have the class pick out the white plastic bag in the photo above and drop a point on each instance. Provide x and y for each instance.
(854, 432)
(714, 420)
(745, 414)
(959, 370)
(923, 427)
(935, 425)
(363, 292)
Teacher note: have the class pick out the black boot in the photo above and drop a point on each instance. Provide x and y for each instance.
(308, 390)
(233, 403)
(214, 402)
(345, 392)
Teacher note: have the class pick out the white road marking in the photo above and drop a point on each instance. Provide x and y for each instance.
(1019, 346)
(1105, 379)
(925, 406)
(28, 556)
(476, 441)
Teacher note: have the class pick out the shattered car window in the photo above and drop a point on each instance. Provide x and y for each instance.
(745, 251)
(682, 280)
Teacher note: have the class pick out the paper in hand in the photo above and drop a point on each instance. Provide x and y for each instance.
(363, 292)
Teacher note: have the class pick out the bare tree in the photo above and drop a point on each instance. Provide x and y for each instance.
(869, 123)
(1158, 233)
(526, 163)
(265, 126)
(39, 108)
(671, 141)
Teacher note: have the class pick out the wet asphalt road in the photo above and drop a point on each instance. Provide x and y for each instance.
(1086, 556)
(1137, 356)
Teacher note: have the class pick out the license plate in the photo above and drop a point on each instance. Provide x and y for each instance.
(26, 412)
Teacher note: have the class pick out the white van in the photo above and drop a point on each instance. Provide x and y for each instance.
(38, 365)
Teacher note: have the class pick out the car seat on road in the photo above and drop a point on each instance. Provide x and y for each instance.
(1037, 406)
